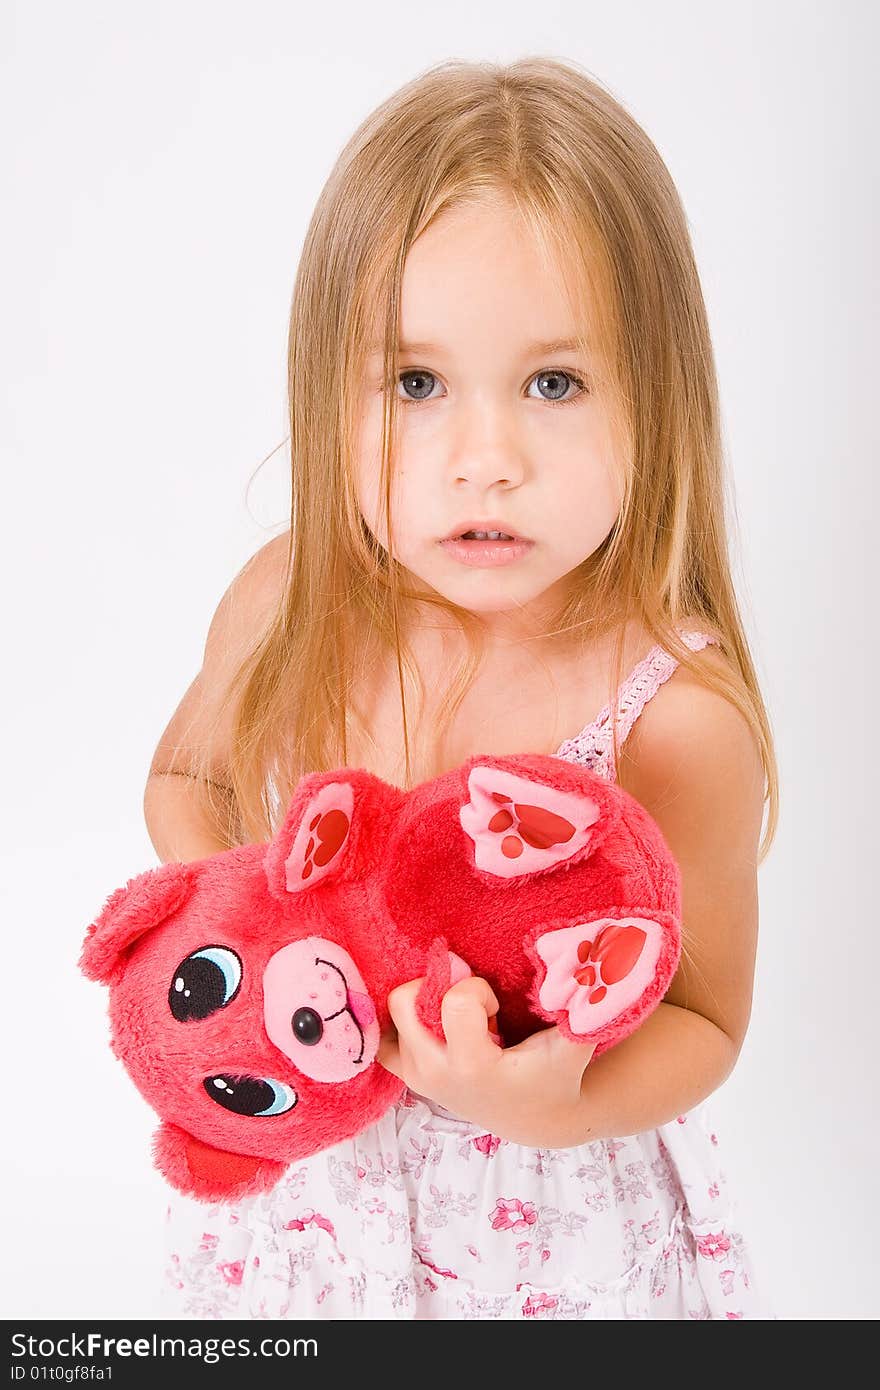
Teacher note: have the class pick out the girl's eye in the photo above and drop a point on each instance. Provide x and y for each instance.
(250, 1095)
(206, 981)
(422, 388)
(555, 382)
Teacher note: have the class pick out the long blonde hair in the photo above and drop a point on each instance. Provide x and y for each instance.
(601, 204)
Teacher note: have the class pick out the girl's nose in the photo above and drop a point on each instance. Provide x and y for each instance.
(487, 449)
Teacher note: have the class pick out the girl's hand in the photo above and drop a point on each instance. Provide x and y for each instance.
(529, 1094)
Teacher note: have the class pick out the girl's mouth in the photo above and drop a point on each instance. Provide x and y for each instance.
(487, 553)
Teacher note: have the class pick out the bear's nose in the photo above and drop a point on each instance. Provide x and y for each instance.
(308, 1026)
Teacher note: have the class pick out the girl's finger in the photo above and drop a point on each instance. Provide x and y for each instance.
(388, 1054)
(417, 1047)
(402, 1002)
(465, 1010)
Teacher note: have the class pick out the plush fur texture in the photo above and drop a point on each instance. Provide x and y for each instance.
(248, 990)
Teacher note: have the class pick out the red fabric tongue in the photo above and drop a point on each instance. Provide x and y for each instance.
(361, 1006)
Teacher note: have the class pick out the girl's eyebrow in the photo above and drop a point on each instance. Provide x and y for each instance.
(532, 350)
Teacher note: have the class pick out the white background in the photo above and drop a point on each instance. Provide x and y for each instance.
(163, 163)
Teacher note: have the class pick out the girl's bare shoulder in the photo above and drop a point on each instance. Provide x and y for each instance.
(246, 608)
(204, 714)
(689, 724)
(259, 585)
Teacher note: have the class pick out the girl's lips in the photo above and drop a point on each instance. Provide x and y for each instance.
(486, 554)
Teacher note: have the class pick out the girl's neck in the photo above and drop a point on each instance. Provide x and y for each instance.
(536, 627)
(521, 699)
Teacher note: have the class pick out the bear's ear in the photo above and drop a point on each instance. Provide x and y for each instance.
(141, 905)
(211, 1175)
(335, 826)
(528, 821)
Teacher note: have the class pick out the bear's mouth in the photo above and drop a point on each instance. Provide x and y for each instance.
(358, 1006)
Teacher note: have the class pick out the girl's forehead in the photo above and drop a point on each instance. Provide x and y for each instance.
(443, 325)
(479, 279)
(477, 235)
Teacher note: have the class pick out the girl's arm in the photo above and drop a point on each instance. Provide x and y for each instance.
(696, 767)
(178, 826)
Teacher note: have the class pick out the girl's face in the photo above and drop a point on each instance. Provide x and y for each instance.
(497, 421)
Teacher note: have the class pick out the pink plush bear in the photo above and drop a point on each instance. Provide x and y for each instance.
(248, 990)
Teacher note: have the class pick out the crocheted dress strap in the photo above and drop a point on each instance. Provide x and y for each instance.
(594, 745)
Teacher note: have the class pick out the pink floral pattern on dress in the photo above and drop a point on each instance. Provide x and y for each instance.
(299, 1223)
(539, 1305)
(486, 1143)
(424, 1216)
(714, 1247)
(511, 1214)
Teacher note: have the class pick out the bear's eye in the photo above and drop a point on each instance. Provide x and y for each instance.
(250, 1095)
(206, 981)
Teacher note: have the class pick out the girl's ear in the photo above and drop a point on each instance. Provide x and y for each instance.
(544, 814)
(211, 1175)
(144, 903)
(335, 828)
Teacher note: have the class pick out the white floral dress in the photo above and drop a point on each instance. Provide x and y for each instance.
(427, 1216)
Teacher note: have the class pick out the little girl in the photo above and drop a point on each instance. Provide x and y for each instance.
(507, 518)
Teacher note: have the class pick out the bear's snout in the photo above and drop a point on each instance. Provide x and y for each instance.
(317, 1010)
